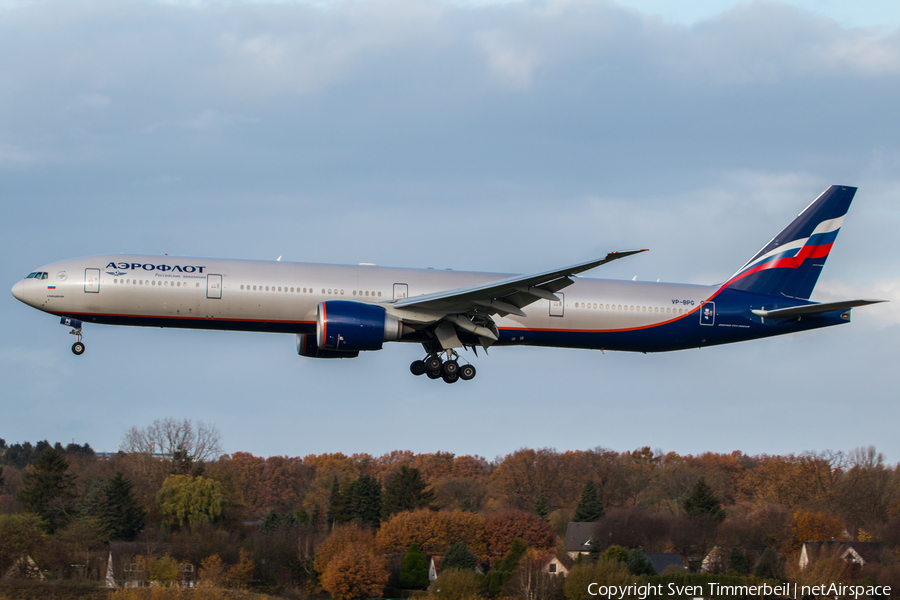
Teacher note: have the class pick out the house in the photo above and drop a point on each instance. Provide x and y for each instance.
(668, 562)
(716, 561)
(434, 567)
(579, 537)
(23, 568)
(127, 565)
(551, 564)
(857, 553)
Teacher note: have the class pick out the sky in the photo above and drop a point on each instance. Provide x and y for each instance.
(499, 136)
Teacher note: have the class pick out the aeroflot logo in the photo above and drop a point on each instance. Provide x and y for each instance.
(152, 267)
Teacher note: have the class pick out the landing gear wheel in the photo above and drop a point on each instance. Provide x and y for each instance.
(77, 348)
(433, 363)
(417, 368)
(451, 367)
(448, 378)
(433, 374)
(466, 372)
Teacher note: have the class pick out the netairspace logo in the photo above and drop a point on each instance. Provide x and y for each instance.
(833, 590)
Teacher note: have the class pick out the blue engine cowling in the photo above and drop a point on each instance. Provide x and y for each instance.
(342, 325)
(307, 346)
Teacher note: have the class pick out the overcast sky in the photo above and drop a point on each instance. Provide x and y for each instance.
(499, 136)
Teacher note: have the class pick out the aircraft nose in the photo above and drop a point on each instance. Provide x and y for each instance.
(18, 291)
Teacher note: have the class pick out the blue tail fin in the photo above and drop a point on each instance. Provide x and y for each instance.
(790, 264)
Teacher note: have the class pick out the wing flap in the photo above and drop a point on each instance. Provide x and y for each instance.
(513, 293)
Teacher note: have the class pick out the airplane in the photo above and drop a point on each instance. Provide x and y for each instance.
(338, 311)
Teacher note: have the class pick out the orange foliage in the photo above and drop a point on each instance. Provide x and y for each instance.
(355, 573)
(326, 467)
(342, 537)
(433, 531)
(815, 527)
(500, 529)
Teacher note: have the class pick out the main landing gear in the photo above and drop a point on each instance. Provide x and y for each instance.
(449, 370)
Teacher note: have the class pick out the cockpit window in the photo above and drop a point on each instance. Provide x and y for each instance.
(43, 275)
(37, 275)
(32, 275)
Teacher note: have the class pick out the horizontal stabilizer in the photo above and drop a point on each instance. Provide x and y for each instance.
(811, 309)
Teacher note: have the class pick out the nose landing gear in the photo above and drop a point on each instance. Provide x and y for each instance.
(436, 368)
(75, 324)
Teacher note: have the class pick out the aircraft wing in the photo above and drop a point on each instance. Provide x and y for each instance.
(811, 309)
(506, 296)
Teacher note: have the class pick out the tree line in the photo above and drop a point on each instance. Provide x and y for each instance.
(270, 520)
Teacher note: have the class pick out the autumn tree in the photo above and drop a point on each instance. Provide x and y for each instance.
(703, 502)
(500, 529)
(589, 509)
(238, 575)
(194, 500)
(433, 531)
(414, 569)
(47, 488)
(526, 474)
(355, 573)
(342, 537)
(406, 491)
(815, 527)
(212, 571)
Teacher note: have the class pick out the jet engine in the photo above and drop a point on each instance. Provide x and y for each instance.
(306, 346)
(348, 326)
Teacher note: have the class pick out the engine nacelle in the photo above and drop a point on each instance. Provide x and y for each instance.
(343, 325)
(307, 346)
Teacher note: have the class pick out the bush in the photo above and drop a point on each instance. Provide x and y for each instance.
(456, 585)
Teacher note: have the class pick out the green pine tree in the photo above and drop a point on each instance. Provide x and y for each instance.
(339, 503)
(270, 522)
(589, 509)
(738, 563)
(366, 501)
(406, 491)
(639, 564)
(458, 556)
(121, 514)
(414, 569)
(703, 502)
(540, 506)
(595, 549)
(315, 517)
(47, 488)
(769, 565)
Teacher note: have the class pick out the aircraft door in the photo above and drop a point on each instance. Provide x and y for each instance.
(708, 313)
(92, 281)
(214, 286)
(401, 290)
(557, 309)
